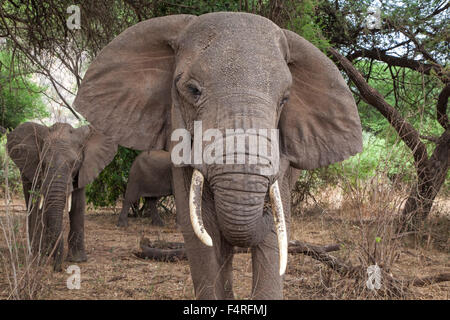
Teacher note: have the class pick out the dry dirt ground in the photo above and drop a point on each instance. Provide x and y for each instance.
(113, 272)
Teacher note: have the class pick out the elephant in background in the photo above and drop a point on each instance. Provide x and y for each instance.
(230, 72)
(151, 177)
(56, 163)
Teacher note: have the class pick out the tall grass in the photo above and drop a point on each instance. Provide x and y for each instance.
(23, 269)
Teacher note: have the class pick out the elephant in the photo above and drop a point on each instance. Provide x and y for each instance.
(56, 163)
(150, 177)
(184, 78)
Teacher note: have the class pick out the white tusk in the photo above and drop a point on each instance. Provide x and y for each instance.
(41, 202)
(195, 208)
(69, 202)
(280, 225)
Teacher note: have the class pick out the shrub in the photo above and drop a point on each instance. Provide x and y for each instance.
(111, 184)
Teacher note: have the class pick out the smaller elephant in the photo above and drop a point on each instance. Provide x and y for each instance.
(56, 163)
(150, 177)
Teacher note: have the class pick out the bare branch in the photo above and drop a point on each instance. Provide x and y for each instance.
(381, 55)
(405, 130)
(441, 107)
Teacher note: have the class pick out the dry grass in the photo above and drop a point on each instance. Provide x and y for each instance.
(113, 272)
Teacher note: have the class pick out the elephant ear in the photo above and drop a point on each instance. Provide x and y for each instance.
(320, 124)
(126, 92)
(24, 145)
(98, 151)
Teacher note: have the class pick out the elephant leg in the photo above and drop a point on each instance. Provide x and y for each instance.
(77, 251)
(32, 214)
(34, 218)
(211, 267)
(131, 196)
(123, 216)
(267, 282)
(151, 209)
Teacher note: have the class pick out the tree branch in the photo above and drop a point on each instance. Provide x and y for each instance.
(399, 62)
(441, 107)
(405, 130)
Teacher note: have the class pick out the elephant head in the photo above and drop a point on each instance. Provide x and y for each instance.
(55, 161)
(231, 71)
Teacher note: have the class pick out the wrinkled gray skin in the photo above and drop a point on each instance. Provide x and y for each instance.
(151, 177)
(228, 70)
(54, 162)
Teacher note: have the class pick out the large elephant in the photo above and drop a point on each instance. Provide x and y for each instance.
(150, 177)
(236, 73)
(56, 163)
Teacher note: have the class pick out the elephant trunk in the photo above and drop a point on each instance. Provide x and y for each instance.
(55, 199)
(239, 202)
(240, 211)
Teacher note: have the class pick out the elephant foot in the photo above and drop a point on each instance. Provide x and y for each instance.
(155, 217)
(57, 267)
(79, 256)
(122, 223)
(157, 222)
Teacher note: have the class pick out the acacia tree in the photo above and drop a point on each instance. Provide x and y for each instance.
(413, 36)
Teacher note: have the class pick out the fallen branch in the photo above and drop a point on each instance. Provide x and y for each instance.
(174, 251)
(425, 281)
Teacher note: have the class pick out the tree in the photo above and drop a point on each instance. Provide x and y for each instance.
(20, 98)
(413, 37)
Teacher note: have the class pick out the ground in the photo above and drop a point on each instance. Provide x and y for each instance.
(114, 272)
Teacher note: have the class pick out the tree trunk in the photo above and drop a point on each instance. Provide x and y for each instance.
(431, 177)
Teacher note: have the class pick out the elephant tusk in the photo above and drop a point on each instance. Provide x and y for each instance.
(41, 202)
(280, 225)
(69, 202)
(195, 208)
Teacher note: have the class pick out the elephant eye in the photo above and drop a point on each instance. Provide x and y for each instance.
(194, 91)
(284, 101)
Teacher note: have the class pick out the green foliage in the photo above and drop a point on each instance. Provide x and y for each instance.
(111, 184)
(14, 181)
(20, 98)
(305, 21)
(379, 155)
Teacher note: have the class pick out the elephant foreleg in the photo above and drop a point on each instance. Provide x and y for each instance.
(267, 282)
(77, 251)
(211, 267)
(34, 224)
(123, 216)
(131, 196)
(151, 209)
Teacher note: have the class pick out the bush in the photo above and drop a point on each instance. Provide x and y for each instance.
(111, 184)
(14, 181)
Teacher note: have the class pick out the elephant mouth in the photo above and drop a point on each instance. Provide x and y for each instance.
(195, 210)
